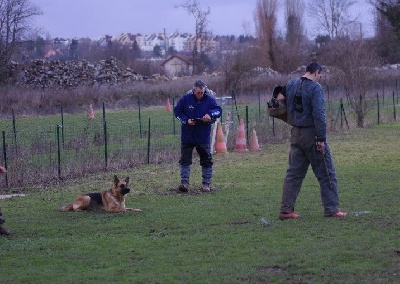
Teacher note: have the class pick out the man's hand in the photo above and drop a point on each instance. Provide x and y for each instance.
(191, 122)
(320, 147)
(207, 118)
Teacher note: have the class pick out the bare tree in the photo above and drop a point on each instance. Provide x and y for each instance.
(332, 15)
(390, 9)
(265, 22)
(237, 66)
(15, 18)
(290, 50)
(353, 62)
(387, 40)
(294, 22)
(202, 35)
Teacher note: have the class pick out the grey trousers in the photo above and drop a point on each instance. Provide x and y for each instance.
(303, 152)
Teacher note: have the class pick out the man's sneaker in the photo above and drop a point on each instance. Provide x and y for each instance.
(337, 214)
(184, 187)
(291, 215)
(4, 231)
(205, 187)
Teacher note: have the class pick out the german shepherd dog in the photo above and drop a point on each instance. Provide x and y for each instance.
(112, 200)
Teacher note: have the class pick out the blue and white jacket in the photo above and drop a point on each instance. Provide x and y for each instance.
(188, 107)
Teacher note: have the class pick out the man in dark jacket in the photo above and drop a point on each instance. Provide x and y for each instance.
(3, 231)
(196, 110)
(308, 144)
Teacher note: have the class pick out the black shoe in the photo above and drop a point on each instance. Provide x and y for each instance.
(184, 187)
(4, 231)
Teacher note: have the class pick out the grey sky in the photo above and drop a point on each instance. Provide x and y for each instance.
(95, 18)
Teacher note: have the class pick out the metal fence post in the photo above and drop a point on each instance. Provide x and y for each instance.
(394, 108)
(58, 152)
(148, 142)
(377, 100)
(273, 126)
(105, 138)
(5, 155)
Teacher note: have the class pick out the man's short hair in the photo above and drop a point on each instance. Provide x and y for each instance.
(199, 84)
(313, 67)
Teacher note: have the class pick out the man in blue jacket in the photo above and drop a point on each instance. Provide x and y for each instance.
(308, 144)
(196, 110)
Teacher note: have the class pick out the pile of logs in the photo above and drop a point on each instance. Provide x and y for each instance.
(71, 74)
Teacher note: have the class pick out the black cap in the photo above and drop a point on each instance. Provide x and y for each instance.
(199, 84)
(313, 67)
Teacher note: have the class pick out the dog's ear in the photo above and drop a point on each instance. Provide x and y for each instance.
(127, 180)
(116, 180)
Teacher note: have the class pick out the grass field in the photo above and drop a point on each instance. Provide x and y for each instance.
(231, 235)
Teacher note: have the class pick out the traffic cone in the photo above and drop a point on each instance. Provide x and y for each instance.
(220, 145)
(90, 112)
(241, 144)
(168, 105)
(254, 146)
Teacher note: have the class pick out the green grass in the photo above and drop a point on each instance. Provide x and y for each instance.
(218, 237)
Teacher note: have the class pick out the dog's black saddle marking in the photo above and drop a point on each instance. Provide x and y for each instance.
(95, 199)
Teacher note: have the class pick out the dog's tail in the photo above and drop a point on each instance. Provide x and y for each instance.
(66, 208)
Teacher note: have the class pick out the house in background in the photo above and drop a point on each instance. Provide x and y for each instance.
(177, 65)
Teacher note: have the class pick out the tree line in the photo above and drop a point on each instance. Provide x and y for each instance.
(341, 44)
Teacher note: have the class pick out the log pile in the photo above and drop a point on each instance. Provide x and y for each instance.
(71, 74)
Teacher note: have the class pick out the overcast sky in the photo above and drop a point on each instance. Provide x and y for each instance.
(96, 18)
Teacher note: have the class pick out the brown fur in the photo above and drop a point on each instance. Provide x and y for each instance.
(112, 200)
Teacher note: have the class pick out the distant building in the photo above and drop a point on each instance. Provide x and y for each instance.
(181, 42)
(177, 65)
(150, 41)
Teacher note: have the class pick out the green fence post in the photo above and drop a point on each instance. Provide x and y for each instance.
(105, 138)
(5, 155)
(273, 126)
(58, 152)
(148, 143)
(377, 100)
(341, 112)
(394, 108)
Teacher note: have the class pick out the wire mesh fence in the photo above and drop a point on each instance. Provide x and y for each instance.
(64, 147)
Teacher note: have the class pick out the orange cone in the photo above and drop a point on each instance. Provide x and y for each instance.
(220, 145)
(168, 105)
(254, 146)
(241, 144)
(90, 112)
